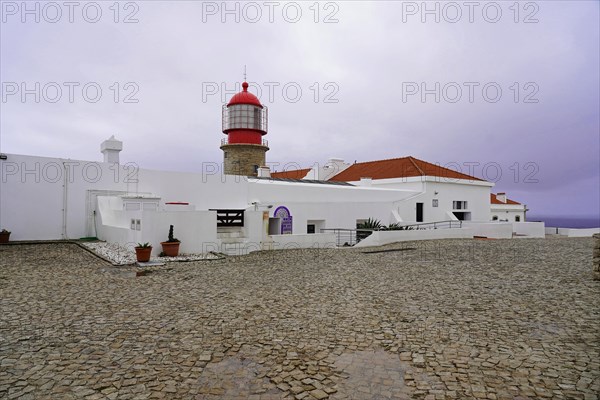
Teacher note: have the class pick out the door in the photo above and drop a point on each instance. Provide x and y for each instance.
(274, 226)
(419, 212)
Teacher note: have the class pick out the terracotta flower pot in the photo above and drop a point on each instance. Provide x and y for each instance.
(4, 237)
(143, 253)
(171, 249)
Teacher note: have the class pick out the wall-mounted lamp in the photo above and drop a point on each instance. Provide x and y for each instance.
(257, 204)
(3, 156)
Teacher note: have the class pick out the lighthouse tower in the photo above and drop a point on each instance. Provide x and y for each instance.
(244, 123)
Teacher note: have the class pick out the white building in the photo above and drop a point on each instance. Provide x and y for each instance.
(438, 193)
(505, 209)
(51, 198)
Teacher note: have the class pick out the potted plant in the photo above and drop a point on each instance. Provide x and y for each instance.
(143, 251)
(4, 236)
(171, 246)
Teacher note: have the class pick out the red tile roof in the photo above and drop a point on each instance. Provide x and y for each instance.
(494, 200)
(292, 174)
(397, 168)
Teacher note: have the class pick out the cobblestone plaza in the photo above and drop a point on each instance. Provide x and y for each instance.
(495, 319)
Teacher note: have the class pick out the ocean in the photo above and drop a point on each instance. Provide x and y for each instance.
(567, 222)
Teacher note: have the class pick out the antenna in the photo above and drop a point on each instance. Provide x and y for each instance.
(244, 72)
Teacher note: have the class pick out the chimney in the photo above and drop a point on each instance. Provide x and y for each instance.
(332, 167)
(264, 172)
(501, 197)
(111, 148)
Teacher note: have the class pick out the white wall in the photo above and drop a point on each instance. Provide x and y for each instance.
(338, 206)
(583, 232)
(476, 193)
(379, 238)
(197, 230)
(492, 230)
(34, 191)
(33, 194)
(530, 229)
(572, 232)
(317, 240)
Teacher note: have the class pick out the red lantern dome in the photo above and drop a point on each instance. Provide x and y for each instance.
(244, 97)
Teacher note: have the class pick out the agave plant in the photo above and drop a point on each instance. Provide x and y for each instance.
(371, 223)
(394, 227)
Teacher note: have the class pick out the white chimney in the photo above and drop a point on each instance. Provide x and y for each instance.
(264, 172)
(111, 148)
(501, 197)
(332, 167)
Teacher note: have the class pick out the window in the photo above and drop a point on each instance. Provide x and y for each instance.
(517, 218)
(434, 203)
(245, 116)
(315, 225)
(459, 205)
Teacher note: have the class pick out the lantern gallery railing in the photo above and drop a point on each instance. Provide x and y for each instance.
(264, 142)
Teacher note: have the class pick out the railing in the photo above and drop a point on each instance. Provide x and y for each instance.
(349, 237)
(437, 225)
(263, 142)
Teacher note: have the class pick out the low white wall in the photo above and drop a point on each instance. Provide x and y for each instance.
(115, 234)
(493, 230)
(315, 240)
(572, 232)
(379, 238)
(583, 232)
(530, 229)
(195, 229)
(255, 225)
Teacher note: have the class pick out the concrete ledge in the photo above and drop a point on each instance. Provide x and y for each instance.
(572, 232)
(492, 230)
(379, 238)
(583, 232)
(304, 241)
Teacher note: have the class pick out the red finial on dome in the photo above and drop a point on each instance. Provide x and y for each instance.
(245, 86)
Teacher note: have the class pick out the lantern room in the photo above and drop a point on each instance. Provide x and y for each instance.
(244, 119)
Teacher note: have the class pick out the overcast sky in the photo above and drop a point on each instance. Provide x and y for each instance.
(356, 80)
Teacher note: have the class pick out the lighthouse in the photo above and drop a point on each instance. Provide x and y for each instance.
(245, 124)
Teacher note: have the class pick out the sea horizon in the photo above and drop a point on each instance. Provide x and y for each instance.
(564, 221)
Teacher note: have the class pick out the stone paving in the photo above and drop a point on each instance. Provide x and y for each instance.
(495, 319)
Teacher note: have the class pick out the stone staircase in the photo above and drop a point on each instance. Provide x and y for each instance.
(233, 242)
